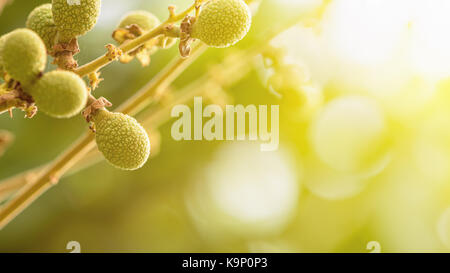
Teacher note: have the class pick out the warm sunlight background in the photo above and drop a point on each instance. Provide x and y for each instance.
(364, 153)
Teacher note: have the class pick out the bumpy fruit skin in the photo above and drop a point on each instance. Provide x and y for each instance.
(222, 23)
(60, 94)
(144, 19)
(41, 21)
(122, 140)
(23, 55)
(2, 42)
(74, 20)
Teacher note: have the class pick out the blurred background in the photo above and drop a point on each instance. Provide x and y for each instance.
(363, 88)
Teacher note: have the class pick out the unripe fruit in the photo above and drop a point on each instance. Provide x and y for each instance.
(41, 21)
(23, 55)
(121, 139)
(2, 42)
(73, 19)
(60, 94)
(144, 19)
(222, 23)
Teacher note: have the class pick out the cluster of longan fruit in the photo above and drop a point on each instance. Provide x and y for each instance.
(64, 94)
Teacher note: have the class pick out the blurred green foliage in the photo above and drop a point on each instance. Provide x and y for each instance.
(103, 208)
(149, 210)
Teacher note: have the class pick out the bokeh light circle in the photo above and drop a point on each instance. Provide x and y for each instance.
(244, 191)
(349, 134)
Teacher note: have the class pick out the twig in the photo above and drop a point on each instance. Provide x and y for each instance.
(163, 28)
(160, 83)
(69, 158)
(73, 155)
(234, 70)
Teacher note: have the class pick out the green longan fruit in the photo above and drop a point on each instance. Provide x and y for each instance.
(144, 19)
(60, 94)
(41, 21)
(121, 139)
(75, 19)
(23, 55)
(2, 42)
(222, 23)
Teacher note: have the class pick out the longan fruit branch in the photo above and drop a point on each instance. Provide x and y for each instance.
(152, 118)
(54, 171)
(165, 28)
(68, 159)
(86, 143)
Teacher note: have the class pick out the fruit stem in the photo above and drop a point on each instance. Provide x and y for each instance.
(158, 84)
(47, 179)
(49, 175)
(55, 170)
(154, 118)
(162, 29)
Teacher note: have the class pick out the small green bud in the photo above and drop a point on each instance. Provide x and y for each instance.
(41, 21)
(60, 94)
(144, 19)
(75, 19)
(121, 139)
(222, 23)
(23, 55)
